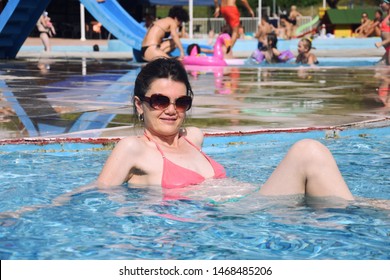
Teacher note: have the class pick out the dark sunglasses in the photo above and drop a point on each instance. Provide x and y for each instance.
(161, 102)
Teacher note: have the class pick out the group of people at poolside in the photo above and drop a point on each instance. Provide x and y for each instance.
(368, 27)
(163, 37)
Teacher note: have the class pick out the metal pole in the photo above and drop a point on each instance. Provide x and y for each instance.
(82, 22)
(260, 8)
(274, 8)
(191, 24)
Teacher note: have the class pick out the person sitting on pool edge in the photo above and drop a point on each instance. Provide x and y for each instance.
(156, 42)
(304, 55)
(170, 156)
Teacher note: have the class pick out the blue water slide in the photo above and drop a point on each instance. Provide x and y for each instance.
(17, 20)
(117, 21)
(19, 17)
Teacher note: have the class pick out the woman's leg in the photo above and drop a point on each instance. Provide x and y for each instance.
(153, 52)
(167, 46)
(45, 41)
(308, 168)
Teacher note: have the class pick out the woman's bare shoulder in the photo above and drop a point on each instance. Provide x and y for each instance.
(194, 134)
(130, 144)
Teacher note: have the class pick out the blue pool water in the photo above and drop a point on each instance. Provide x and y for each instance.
(223, 219)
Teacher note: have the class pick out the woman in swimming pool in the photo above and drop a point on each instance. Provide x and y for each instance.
(170, 156)
(156, 43)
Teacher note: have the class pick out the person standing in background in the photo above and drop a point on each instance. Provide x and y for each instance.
(230, 13)
(46, 30)
(263, 28)
(293, 17)
(385, 31)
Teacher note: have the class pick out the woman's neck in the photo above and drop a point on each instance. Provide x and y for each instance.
(166, 140)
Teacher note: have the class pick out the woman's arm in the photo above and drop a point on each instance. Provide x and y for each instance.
(117, 168)
(276, 52)
(312, 59)
(194, 134)
(217, 9)
(175, 37)
(384, 42)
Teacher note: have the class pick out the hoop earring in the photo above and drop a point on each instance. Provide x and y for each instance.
(141, 117)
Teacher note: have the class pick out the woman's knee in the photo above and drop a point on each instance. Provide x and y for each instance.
(309, 150)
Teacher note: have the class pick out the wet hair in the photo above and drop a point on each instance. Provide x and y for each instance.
(307, 43)
(191, 46)
(160, 68)
(272, 40)
(179, 13)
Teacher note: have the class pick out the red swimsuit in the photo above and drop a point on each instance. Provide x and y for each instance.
(385, 27)
(175, 176)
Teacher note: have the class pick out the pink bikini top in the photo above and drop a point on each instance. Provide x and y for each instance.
(175, 176)
(385, 27)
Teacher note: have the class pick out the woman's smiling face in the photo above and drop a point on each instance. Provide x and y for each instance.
(168, 121)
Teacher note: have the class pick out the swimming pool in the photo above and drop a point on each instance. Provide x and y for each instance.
(222, 219)
(91, 98)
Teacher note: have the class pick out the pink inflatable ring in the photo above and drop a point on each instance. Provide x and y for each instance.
(218, 57)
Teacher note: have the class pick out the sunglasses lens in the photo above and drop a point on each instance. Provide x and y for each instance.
(159, 102)
(184, 103)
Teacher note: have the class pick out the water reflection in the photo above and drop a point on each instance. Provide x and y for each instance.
(89, 98)
(54, 97)
(383, 75)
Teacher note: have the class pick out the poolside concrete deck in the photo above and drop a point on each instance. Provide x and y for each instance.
(68, 49)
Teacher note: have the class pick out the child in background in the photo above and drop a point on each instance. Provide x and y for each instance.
(226, 50)
(272, 54)
(304, 54)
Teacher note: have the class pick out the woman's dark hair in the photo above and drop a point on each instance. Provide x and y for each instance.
(160, 68)
(179, 13)
(272, 40)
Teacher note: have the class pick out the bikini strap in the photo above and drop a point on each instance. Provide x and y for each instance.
(192, 144)
(157, 145)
